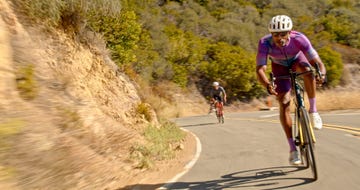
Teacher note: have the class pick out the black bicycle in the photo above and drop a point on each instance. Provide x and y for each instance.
(302, 129)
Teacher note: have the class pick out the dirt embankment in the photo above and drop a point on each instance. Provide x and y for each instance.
(68, 116)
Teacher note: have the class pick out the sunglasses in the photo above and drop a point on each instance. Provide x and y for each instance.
(281, 34)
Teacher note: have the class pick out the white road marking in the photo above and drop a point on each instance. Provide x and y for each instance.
(187, 167)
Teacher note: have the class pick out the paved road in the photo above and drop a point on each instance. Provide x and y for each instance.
(250, 151)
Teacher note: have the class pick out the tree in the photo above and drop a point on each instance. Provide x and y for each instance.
(233, 66)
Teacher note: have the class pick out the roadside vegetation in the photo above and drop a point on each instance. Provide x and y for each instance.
(9, 128)
(199, 41)
(25, 82)
(190, 43)
(163, 142)
(66, 133)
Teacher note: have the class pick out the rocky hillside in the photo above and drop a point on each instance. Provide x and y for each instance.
(68, 117)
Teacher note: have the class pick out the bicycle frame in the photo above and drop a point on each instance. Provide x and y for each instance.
(298, 94)
(299, 102)
(302, 131)
(219, 111)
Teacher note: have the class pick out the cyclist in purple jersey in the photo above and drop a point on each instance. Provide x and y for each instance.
(286, 47)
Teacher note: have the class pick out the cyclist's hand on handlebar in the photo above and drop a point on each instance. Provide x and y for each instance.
(271, 89)
(320, 80)
(320, 76)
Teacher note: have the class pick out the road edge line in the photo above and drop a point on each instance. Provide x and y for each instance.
(188, 166)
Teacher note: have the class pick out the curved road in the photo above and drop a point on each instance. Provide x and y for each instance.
(250, 151)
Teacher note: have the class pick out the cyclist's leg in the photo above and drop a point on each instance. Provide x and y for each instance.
(285, 117)
(222, 107)
(283, 89)
(301, 65)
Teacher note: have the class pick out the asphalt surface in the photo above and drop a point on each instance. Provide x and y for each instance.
(250, 151)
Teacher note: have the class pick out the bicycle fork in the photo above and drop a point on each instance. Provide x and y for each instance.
(300, 135)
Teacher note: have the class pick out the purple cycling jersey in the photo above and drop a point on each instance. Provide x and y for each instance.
(297, 44)
(297, 51)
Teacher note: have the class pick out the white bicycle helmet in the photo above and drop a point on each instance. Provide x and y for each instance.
(215, 83)
(280, 23)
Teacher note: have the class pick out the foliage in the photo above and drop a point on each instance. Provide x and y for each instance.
(26, 83)
(333, 64)
(122, 33)
(162, 144)
(185, 51)
(233, 67)
(196, 40)
(144, 109)
(9, 128)
(59, 12)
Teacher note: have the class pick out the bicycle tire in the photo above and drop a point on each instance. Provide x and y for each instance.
(219, 113)
(296, 136)
(308, 142)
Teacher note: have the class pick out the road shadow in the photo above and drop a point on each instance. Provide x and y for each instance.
(264, 178)
(210, 120)
(200, 124)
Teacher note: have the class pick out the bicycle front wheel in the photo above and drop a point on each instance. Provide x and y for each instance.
(308, 141)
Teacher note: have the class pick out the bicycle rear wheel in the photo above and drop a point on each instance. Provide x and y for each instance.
(219, 113)
(219, 116)
(308, 142)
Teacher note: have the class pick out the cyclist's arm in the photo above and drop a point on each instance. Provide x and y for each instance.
(321, 64)
(311, 54)
(224, 95)
(261, 75)
(211, 96)
(261, 61)
(321, 68)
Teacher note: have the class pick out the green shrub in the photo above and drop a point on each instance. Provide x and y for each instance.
(233, 67)
(26, 83)
(333, 64)
(122, 33)
(185, 52)
(160, 144)
(180, 76)
(144, 109)
(70, 119)
(8, 129)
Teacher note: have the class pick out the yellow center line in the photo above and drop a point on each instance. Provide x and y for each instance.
(351, 130)
(342, 127)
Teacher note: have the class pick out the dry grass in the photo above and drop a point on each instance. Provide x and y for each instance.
(171, 101)
(338, 100)
(332, 100)
(162, 144)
